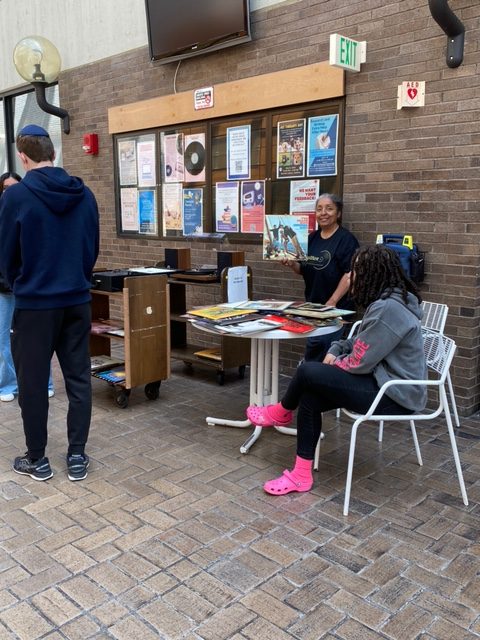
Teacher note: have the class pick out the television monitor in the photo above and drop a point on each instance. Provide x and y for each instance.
(180, 29)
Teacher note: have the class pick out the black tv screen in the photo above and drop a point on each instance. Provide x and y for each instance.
(180, 29)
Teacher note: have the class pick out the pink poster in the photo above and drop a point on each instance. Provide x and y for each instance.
(173, 170)
(253, 206)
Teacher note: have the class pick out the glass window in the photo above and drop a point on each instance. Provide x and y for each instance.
(3, 140)
(220, 177)
(25, 111)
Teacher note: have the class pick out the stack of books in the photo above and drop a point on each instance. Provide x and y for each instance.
(115, 375)
(104, 326)
(315, 310)
(253, 316)
(99, 363)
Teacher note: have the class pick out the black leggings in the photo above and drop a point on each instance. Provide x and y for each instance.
(318, 387)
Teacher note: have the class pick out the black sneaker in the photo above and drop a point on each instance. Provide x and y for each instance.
(38, 469)
(77, 465)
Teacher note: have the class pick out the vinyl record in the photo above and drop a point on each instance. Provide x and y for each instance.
(195, 158)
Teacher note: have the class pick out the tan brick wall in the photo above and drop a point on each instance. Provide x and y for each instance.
(414, 170)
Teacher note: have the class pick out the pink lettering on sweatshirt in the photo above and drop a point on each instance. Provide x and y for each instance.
(354, 360)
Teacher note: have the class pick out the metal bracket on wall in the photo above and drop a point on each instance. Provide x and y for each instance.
(453, 27)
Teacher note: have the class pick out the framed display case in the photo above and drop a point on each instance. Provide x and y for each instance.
(222, 176)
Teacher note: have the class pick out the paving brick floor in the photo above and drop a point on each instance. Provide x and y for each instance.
(171, 535)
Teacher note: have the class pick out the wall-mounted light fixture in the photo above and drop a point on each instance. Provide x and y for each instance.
(37, 60)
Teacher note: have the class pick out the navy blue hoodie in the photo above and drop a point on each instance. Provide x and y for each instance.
(49, 238)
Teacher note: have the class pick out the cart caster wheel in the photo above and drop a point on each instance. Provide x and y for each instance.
(221, 378)
(152, 390)
(188, 368)
(122, 398)
(241, 371)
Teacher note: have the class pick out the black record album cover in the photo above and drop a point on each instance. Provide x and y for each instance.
(194, 158)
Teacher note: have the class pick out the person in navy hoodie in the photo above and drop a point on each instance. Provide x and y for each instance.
(49, 241)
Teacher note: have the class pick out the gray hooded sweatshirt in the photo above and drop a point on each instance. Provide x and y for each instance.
(389, 345)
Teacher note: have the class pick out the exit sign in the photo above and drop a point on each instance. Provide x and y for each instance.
(347, 53)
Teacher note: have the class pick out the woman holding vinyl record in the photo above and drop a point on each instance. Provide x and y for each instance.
(326, 272)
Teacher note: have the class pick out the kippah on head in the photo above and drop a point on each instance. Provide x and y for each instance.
(33, 130)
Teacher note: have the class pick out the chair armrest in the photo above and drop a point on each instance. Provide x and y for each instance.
(354, 328)
(391, 383)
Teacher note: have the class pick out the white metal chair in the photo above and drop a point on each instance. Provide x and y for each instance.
(439, 351)
(351, 333)
(434, 318)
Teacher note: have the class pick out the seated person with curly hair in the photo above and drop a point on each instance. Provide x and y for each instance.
(388, 345)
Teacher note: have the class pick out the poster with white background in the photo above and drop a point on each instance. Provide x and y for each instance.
(146, 162)
(129, 209)
(226, 206)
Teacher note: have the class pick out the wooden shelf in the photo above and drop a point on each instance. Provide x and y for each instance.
(187, 354)
(234, 352)
(146, 343)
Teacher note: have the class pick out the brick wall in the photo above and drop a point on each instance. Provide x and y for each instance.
(414, 170)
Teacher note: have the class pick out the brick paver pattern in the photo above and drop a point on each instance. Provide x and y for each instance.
(171, 535)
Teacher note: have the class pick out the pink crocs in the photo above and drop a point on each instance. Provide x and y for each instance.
(286, 483)
(265, 416)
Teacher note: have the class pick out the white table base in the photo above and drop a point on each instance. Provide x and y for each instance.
(264, 357)
(264, 369)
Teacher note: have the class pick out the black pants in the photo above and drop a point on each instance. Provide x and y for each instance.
(317, 347)
(36, 335)
(318, 387)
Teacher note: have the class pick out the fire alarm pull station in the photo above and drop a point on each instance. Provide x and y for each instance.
(90, 144)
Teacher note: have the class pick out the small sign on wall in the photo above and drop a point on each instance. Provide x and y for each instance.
(346, 53)
(411, 94)
(203, 98)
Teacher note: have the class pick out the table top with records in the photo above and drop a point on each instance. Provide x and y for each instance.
(250, 317)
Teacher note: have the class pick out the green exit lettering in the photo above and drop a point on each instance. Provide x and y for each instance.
(348, 52)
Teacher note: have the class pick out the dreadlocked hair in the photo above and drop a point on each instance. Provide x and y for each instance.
(376, 272)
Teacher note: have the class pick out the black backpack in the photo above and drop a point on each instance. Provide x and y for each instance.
(411, 258)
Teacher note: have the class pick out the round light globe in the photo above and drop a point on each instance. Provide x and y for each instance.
(37, 60)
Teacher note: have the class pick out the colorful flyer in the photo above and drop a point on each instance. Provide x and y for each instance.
(285, 237)
(146, 161)
(303, 196)
(127, 162)
(129, 209)
(291, 149)
(147, 211)
(226, 206)
(238, 152)
(322, 146)
(173, 166)
(253, 206)
(192, 211)
(172, 207)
